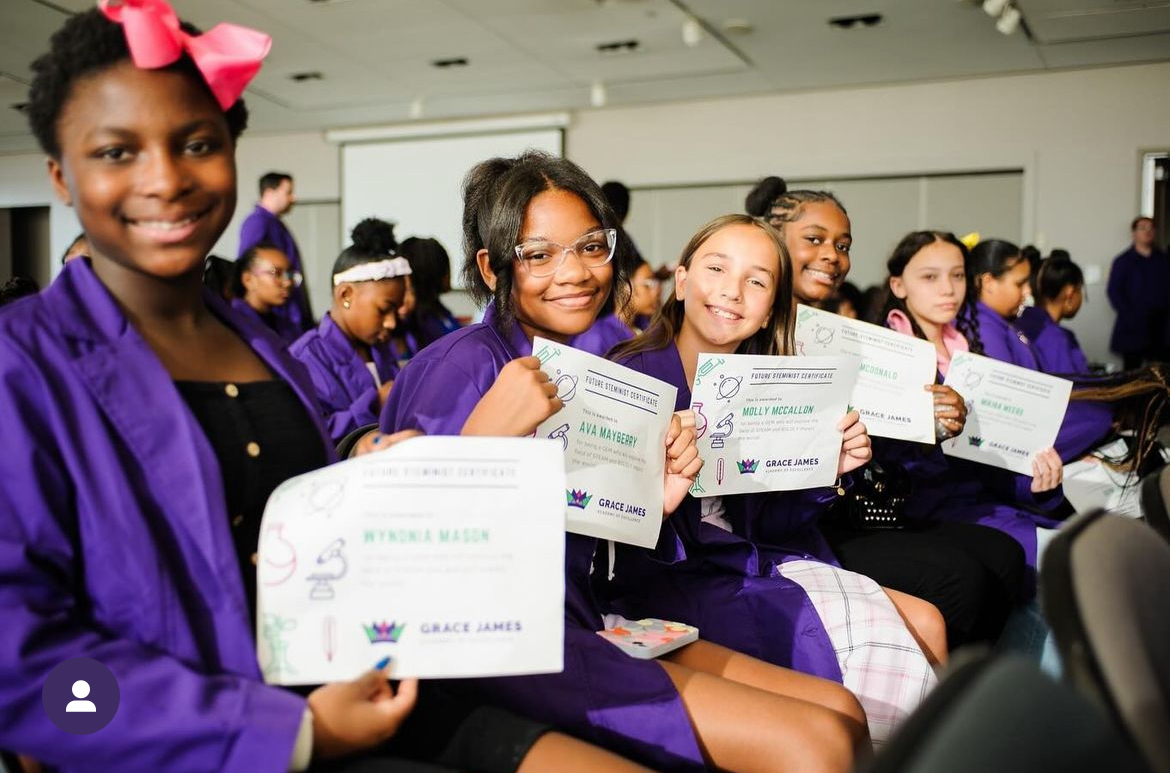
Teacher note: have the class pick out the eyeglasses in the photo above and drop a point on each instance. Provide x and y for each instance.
(292, 277)
(541, 258)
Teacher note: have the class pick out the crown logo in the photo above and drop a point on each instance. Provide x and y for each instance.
(578, 499)
(747, 466)
(384, 632)
(975, 440)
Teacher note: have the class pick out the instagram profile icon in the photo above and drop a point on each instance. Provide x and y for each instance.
(80, 696)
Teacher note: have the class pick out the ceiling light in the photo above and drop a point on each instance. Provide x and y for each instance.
(994, 7)
(455, 61)
(598, 94)
(737, 26)
(617, 47)
(1009, 20)
(862, 21)
(692, 32)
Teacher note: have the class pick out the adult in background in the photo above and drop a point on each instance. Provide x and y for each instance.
(1139, 286)
(264, 225)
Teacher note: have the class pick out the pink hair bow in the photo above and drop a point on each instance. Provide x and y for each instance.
(228, 56)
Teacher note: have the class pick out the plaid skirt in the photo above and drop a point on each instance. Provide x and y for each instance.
(881, 663)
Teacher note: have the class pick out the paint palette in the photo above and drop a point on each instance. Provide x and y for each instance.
(649, 638)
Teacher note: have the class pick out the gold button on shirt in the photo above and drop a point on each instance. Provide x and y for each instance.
(253, 449)
(232, 390)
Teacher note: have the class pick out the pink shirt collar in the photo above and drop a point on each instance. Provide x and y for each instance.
(953, 340)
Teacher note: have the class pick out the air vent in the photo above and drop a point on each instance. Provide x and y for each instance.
(457, 61)
(861, 21)
(618, 47)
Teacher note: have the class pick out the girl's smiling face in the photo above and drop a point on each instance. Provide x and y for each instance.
(567, 303)
(148, 164)
(818, 241)
(728, 287)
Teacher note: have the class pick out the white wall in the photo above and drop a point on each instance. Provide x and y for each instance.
(1077, 135)
(24, 182)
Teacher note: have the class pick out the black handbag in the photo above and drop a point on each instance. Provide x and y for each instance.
(877, 499)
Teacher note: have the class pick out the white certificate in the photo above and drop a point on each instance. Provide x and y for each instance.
(444, 553)
(893, 371)
(1012, 412)
(769, 423)
(613, 430)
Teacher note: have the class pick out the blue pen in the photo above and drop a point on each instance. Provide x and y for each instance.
(382, 663)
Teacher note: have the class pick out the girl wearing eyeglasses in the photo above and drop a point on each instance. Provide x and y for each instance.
(264, 280)
(542, 250)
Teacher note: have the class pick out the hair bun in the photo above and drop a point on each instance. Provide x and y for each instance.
(759, 200)
(1060, 256)
(374, 237)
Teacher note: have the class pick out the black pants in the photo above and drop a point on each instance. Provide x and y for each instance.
(973, 574)
(447, 731)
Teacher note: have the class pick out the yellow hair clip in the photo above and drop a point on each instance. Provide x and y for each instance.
(970, 240)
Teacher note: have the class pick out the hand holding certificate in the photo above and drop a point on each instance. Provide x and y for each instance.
(445, 553)
(769, 423)
(613, 431)
(1013, 412)
(893, 370)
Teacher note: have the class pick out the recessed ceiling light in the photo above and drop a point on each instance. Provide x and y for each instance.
(737, 26)
(860, 21)
(455, 61)
(618, 47)
(308, 75)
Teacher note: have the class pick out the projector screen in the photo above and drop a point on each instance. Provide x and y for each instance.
(416, 183)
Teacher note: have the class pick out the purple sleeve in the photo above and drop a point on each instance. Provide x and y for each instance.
(171, 715)
(433, 395)
(1116, 287)
(252, 232)
(1013, 488)
(341, 414)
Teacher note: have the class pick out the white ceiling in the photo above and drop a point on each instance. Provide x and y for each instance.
(535, 55)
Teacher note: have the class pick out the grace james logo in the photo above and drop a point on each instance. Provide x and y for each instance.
(747, 466)
(975, 440)
(578, 499)
(384, 632)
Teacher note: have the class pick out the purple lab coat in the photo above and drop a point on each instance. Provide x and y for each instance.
(263, 226)
(729, 584)
(343, 382)
(1085, 425)
(281, 325)
(948, 489)
(603, 695)
(604, 334)
(1138, 291)
(1055, 346)
(115, 545)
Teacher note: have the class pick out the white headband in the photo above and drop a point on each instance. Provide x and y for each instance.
(390, 268)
